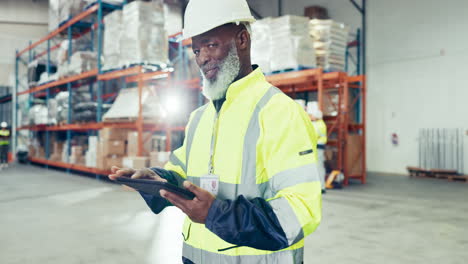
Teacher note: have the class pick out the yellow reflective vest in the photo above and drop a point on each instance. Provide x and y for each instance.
(321, 131)
(4, 133)
(262, 146)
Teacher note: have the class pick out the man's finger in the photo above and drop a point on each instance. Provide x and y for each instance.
(200, 193)
(137, 175)
(114, 169)
(175, 199)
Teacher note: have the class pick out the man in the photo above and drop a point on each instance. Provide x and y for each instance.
(4, 145)
(251, 146)
(321, 130)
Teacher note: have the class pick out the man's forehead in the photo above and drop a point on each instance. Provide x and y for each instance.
(224, 31)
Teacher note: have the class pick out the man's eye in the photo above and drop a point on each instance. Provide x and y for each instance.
(196, 52)
(211, 45)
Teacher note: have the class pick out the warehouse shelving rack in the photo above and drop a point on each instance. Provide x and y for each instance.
(341, 125)
(75, 28)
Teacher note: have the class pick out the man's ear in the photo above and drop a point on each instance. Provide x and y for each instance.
(243, 39)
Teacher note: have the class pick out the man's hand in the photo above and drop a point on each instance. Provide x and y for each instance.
(135, 174)
(196, 209)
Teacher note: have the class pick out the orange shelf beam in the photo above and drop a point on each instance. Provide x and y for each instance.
(74, 78)
(54, 33)
(294, 77)
(358, 78)
(119, 73)
(99, 126)
(70, 166)
(147, 76)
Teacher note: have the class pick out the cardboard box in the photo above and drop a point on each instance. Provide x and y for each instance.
(159, 159)
(113, 147)
(100, 159)
(135, 162)
(132, 147)
(113, 161)
(108, 133)
(353, 157)
(56, 156)
(57, 147)
(77, 151)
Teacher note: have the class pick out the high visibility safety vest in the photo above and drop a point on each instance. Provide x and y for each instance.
(4, 133)
(262, 144)
(321, 131)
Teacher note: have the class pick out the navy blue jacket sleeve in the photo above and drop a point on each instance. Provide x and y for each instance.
(155, 203)
(243, 222)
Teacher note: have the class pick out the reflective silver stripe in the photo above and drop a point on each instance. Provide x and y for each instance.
(248, 186)
(288, 220)
(291, 177)
(177, 162)
(191, 133)
(199, 256)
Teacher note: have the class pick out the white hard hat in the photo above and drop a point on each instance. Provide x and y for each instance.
(313, 109)
(4, 125)
(204, 15)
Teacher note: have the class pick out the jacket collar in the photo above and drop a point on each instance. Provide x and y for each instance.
(243, 84)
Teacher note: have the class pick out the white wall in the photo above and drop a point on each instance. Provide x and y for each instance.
(20, 22)
(417, 75)
(417, 70)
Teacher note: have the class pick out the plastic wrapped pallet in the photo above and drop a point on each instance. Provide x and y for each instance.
(125, 107)
(63, 106)
(38, 115)
(261, 44)
(82, 44)
(144, 39)
(70, 8)
(112, 36)
(54, 18)
(173, 18)
(82, 61)
(291, 44)
(330, 40)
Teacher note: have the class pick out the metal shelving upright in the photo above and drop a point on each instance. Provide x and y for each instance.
(341, 125)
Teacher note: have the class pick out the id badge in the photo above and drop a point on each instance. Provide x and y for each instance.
(210, 183)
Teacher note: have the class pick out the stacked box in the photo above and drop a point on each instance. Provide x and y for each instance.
(112, 36)
(159, 158)
(76, 156)
(70, 8)
(111, 147)
(82, 61)
(144, 39)
(282, 43)
(261, 44)
(135, 162)
(173, 17)
(292, 44)
(91, 153)
(57, 150)
(132, 144)
(330, 41)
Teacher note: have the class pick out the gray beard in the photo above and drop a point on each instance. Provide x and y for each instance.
(228, 71)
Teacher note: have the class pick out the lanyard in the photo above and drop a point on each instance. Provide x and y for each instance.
(213, 143)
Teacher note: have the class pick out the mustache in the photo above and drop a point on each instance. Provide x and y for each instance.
(209, 67)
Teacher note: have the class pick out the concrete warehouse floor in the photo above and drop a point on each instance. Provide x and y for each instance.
(47, 216)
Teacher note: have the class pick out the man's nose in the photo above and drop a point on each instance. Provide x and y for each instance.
(204, 57)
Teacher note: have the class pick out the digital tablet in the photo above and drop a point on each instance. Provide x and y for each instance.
(153, 187)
